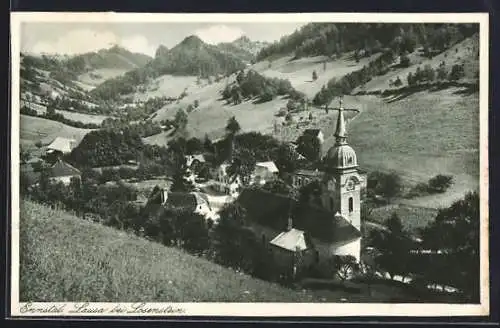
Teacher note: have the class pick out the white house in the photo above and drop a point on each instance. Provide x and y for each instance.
(63, 172)
(264, 172)
(225, 183)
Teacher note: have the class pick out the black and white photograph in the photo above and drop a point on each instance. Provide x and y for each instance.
(249, 164)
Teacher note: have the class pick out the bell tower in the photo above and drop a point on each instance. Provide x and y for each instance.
(343, 193)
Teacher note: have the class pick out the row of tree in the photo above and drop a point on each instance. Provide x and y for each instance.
(331, 39)
(448, 254)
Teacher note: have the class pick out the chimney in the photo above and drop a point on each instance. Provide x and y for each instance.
(164, 196)
(290, 223)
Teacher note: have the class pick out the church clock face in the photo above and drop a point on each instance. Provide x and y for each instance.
(350, 185)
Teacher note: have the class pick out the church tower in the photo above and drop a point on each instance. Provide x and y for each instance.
(342, 194)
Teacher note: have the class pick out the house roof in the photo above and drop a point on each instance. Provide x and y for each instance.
(292, 240)
(270, 166)
(61, 144)
(310, 173)
(62, 169)
(187, 201)
(272, 210)
(314, 132)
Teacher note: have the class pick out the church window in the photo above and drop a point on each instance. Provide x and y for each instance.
(331, 203)
(263, 239)
(351, 204)
(316, 256)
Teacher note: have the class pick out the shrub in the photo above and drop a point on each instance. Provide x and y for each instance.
(440, 183)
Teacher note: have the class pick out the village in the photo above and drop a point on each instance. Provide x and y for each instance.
(320, 177)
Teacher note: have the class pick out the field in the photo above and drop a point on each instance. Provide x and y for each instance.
(411, 217)
(299, 71)
(422, 135)
(70, 115)
(465, 52)
(90, 80)
(33, 129)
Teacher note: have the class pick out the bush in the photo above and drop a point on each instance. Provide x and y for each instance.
(404, 61)
(440, 183)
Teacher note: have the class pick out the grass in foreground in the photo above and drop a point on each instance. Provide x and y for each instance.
(64, 258)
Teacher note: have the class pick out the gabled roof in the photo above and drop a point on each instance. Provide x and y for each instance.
(270, 166)
(186, 201)
(61, 144)
(272, 210)
(292, 240)
(63, 169)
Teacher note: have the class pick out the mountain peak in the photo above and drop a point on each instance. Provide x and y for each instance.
(192, 40)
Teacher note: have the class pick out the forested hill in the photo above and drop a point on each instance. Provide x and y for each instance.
(114, 57)
(191, 57)
(332, 39)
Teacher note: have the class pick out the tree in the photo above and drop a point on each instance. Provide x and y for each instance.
(457, 72)
(455, 233)
(207, 144)
(309, 146)
(388, 185)
(232, 126)
(411, 79)
(233, 241)
(440, 183)
(277, 186)
(404, 61)
(394, 245)
(314, 76)
(180, 179)
(193, 146)
(345, 266)
(398, 82)
(181, 119)
(243, 164)
(196, 103)
(442, 74)
(25, 156)
(193, 231)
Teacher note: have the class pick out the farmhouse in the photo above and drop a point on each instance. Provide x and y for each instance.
(61, 146)
(264, 172)
(193, 160)
(194, 202)
(332, 219)
(226, 183)
(63, 172)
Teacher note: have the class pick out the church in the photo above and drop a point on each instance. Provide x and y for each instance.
(326, 226)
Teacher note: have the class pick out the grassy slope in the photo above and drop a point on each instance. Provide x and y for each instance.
(420, 136)
(466, 52)
(299, 71)
(89, 82)
(103, 264)
(33, 129)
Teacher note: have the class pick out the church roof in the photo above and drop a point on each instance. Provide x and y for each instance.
(291, 240)
(272, 210)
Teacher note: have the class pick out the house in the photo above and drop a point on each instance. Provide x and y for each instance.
(301, 178)
(264, 172)
(194, 160)
(61, 146)
(293, 251)
(194, 202)
(225, 183)
(63, 172)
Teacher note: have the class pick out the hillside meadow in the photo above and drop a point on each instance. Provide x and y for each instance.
(33, 129)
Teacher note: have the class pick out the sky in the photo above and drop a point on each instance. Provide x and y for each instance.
(75, 38)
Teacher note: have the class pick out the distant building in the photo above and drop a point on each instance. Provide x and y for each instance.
(193, 160)
(194, 202)
(264, 172)
(226, 183)
(61, 146)
(63, 172)
(329, 226)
